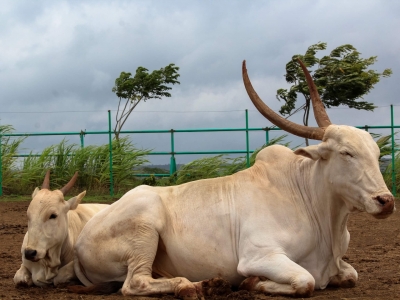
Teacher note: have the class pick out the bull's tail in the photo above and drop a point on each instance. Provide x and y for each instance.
(97, 289)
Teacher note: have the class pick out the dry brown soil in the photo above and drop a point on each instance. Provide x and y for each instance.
(374, 252)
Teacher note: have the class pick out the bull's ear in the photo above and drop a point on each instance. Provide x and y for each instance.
(310, 152)
(35, 192)
(74, 201)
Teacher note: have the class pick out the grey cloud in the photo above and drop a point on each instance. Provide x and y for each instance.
(65, 56)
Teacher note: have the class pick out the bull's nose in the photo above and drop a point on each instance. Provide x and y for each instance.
(30, 254)
(386, 201)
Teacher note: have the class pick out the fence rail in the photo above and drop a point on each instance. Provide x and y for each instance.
(172, 153)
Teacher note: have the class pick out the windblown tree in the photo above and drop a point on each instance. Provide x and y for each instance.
(142, 87)
(342, 78)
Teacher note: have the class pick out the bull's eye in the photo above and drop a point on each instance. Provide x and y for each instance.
(53, 216)
(346, 153)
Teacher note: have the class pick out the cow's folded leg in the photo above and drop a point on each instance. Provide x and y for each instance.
(65, 274)
(276, 274)
(140, 285)
(23, 277)
(346, 278)
(182, 288)
(139, 280)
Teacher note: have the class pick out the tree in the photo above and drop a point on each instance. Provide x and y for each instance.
(143, 86)
(342, 78)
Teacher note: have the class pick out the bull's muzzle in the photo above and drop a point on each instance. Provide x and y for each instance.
(30, 254)
(386, 201)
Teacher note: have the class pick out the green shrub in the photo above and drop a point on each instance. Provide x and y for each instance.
(63, 159)
(220, 165)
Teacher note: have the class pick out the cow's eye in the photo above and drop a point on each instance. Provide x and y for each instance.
(347, 153)
(53, 216)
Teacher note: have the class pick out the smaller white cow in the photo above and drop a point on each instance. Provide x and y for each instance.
(53, 228)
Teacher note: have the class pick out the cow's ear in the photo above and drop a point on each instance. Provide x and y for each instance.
(310, 152)
(35, 192)
(74, 201)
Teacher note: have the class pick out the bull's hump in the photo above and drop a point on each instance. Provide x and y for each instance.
(275, 154)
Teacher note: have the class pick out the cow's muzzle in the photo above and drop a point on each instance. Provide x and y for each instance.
(386, 202)
(30, 254)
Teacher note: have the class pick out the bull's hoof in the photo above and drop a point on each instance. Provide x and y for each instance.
(21, 284)
(349, 283)
(345, 283)
(187, 294)
(249, 284)
(216, 286)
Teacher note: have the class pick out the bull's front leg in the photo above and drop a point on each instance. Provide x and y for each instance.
(23, 277)
(347, 276)
(65, 274)
(275, 274)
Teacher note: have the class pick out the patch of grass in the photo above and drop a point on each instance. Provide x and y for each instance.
(65, 159)
(216, 166)
(15, 198)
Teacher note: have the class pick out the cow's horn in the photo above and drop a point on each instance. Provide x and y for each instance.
(314, 133)
(46, 181)
(70, 184)
(319, 110)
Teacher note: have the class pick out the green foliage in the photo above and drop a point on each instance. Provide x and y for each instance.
(143, 86)
(216, 166)
(384, 143)
(385, 146)
(151, 180)
(152, 170)
(387, 175)
(206, 167)
(65, 159)
(342, 78)
(9, 148)
(241, 163)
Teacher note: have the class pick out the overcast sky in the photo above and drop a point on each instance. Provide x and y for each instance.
(59, 61)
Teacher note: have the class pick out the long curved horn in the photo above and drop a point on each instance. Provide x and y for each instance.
(70, 184)
(319, 110)
(314, 133)
(46, 181)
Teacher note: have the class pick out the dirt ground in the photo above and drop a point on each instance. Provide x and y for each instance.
(374, 252)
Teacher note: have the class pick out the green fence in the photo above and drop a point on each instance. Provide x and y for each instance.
(172, 153)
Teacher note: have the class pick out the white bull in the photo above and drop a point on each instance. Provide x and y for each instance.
(279, 227)
(53, 227)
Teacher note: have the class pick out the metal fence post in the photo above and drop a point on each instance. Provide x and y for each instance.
(247, 140)
(393, 156)
(172, 162)
(266, 135)
(110, 150)
(1, 169)
(82, 137)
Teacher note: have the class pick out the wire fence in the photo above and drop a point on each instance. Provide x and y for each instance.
(172, 153)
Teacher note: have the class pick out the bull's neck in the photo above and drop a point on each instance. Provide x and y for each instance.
(75, 226)
(326, 211)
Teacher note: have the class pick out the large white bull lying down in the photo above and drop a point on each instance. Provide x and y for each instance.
(278, 227)
(53, 227)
